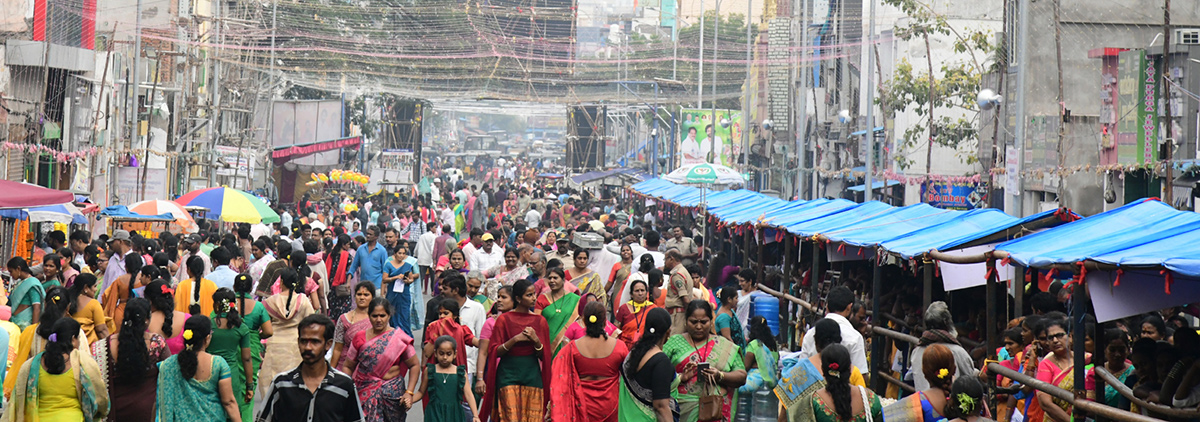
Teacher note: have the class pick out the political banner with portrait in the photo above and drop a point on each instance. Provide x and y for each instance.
(698, 130)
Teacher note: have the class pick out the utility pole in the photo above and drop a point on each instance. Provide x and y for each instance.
(700, 74)
(1022, 117)
(215, 107)
(1062, 122)
(675, 38)
(268, 138)
(135, 76)
(712, 140)
(801, 113)
(1165, 69)
(746, 123)
(868, 189)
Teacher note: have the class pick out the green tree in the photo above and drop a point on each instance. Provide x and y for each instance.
(953, 86)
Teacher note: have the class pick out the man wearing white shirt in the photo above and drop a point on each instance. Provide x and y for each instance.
(840, 301)
(471, 314)
(471, 248)
(424, 250)
(533, 218)
(190, 245)
(487, 256)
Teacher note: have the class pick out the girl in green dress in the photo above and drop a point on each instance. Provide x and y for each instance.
(254, 315)
(446, 386)
(231, 341)
(840, 401)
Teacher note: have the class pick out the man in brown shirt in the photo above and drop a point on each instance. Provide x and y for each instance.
(679, 290)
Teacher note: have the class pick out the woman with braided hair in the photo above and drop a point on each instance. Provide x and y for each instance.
(231, 341)
(585, 383)
(33, 339)
(129, 363)
(254, 317)
(286, 309)
(165, 320)
(195, 386)
(60, 384)
(841, 401)
(937, 364)
(195, 294)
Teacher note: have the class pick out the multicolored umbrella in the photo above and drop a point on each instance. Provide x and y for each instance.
(157, 206)
(230, 205)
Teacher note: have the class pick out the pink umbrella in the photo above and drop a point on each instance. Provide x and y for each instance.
(157, 206)
(25, 195)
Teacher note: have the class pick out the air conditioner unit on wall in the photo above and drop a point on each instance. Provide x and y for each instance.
(1189, 36)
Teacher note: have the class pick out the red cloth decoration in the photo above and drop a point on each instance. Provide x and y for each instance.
(1117, 281)
(1169, 279)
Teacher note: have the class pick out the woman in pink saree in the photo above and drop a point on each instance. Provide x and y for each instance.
(378, 359)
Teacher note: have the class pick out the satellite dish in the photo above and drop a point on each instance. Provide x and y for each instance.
(987, 99)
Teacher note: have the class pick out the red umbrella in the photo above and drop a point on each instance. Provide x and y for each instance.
(24, 195)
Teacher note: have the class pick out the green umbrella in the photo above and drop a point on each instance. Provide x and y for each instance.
(705, 173)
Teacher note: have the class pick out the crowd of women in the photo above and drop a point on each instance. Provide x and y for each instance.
(510, 302)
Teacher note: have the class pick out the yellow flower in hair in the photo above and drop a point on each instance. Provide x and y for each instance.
(942, 373)
(592, 319)
(187, 334)
(57, 298)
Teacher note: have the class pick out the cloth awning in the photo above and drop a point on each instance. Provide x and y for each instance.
(282, 154)
(25, 195)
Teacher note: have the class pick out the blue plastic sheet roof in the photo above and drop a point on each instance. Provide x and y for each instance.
(891, 224)
(1140, 232)
(121, 211)
(749, 210)
(842, 217)
(968, 226)
(813, 210)
(1176, 252)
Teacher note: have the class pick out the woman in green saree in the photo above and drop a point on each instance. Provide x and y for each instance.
(841, 401)
(647, 375)
(724, 371)
(761, 357)
(559, 307)
(803, 377)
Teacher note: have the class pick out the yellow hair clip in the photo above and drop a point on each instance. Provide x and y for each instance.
(57, 298)
(942, 373)
(592, 319)
(187, 334)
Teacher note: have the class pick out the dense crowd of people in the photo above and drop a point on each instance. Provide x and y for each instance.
(501, 300)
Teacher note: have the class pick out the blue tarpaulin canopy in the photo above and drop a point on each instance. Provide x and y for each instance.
(1113, 236)
(120, 212)
(876, 184)
(966, 228)
(894, 223)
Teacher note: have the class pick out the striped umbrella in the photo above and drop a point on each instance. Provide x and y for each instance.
(230, 205)
(158, 206)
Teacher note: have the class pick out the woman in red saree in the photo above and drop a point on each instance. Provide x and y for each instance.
(586, 374)
(516, 389)
(631, 316)
(379, 358)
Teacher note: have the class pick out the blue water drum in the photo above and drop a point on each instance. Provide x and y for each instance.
(767, 306)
